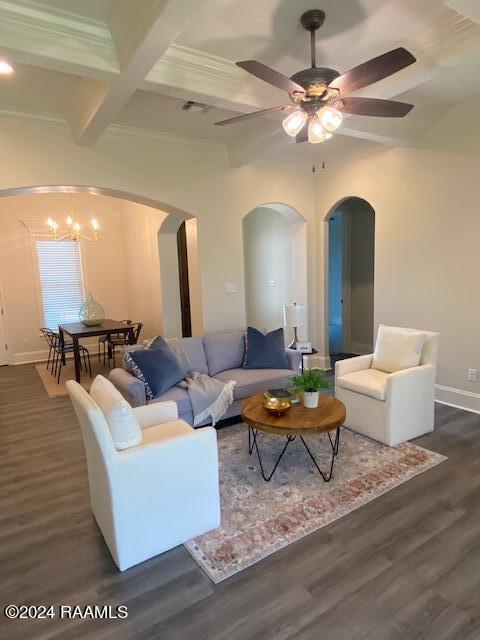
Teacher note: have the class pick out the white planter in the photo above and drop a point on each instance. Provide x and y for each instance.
(310, 399)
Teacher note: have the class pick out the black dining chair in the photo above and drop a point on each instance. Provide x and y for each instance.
(123, 340)
(61, 348)
(50, 338)
(102, 342)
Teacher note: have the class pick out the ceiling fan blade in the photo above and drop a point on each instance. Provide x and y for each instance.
(303, 135)
(254, 114)
(374, 107)
(271, 76)
(374, 70)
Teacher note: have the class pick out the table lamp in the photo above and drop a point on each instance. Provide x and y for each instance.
(294, 315)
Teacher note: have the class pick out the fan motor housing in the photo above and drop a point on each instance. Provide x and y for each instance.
(315, 77)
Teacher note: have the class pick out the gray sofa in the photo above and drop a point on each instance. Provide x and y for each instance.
(220, 355)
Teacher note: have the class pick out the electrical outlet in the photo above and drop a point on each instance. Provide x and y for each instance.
(472, 375)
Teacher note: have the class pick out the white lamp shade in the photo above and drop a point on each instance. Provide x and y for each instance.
(294, 315)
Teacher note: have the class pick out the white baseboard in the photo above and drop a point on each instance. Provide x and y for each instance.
(29, 357)
(318, 362)
(361, 349)
(466, 400)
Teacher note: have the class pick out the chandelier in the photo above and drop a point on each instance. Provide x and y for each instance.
(73, 228)
(321, 123)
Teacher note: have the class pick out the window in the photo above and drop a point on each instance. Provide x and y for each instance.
(61, 281)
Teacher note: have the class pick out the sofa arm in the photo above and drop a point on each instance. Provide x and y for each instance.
(151, 414)
(131, 388)
(349, 365)
(294, 359)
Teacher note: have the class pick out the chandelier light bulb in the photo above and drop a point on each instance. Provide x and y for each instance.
(294, 123)
(69, 221)
(329, 118)
(50, 223)
(76, 227)
(94, 224)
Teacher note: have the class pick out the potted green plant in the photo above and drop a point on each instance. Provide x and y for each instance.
(309, 383)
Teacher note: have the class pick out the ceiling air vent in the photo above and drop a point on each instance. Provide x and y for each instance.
(195, 107)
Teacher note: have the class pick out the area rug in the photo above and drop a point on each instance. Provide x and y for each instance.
(68, 373)
(259, 518)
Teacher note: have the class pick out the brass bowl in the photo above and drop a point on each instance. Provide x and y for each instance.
(276, 406)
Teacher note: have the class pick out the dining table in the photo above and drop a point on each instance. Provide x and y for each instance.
(77, 331)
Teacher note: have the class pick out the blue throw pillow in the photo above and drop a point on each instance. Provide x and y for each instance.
(265, 351)
(157, 367)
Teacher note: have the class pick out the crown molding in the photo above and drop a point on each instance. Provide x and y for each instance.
(62, 41)
(194, 72)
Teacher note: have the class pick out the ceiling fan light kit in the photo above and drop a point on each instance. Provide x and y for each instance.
(294, 122)
(319, 95)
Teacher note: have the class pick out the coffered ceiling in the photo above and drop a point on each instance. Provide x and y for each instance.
(100, 64)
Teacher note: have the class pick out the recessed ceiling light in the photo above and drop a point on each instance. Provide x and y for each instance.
(5, 68)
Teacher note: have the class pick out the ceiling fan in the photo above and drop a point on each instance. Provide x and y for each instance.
(318, 93)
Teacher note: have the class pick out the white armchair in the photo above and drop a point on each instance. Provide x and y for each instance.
(155, 496)
(389, 407)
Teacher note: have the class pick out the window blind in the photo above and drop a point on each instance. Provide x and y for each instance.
(61, 281)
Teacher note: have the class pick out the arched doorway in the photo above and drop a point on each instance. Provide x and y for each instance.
(180, 277)
(275, 265)
(350, 283)
(122, 269)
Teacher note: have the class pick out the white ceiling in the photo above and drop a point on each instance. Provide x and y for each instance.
(64, 52)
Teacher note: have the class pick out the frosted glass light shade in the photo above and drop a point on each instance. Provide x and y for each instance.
(294, 315)
(6, 68)
(294, 122)
(316, 132)
(329, 118)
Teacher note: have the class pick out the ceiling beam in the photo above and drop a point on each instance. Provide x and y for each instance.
(141, 34)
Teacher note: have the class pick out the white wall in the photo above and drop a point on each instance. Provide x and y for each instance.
(426, 249)
(193, 178)
(103, 264)
(268, 254)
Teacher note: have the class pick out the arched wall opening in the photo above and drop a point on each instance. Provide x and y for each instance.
(180, 277)
(349, 278)
(122, 269)
(275, 265)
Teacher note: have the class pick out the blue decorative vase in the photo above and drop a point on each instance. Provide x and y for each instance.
(91, 313)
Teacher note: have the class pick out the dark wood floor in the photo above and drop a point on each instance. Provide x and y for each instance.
(404, 567)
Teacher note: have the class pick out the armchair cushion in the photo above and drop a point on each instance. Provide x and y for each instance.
(369, 382)
(397, 348)
(119, 415)
(166, 431)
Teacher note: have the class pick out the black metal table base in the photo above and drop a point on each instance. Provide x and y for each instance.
(327, 476)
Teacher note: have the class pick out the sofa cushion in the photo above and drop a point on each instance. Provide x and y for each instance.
(265, 350)
(368, 382)
(178, 395)
(397, 348)
(224, 351)
(195, 352)
(251, 381)
(158, 368)
(119, 415)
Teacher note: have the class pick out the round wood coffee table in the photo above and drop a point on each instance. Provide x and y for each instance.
(296, 422)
